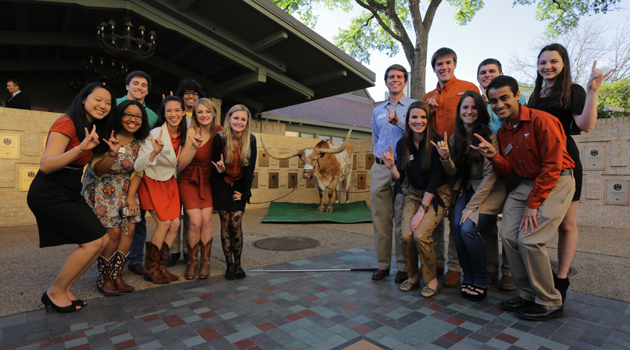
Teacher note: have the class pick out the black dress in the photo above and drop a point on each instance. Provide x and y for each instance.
(63, 216)
(578, 98)
(222, 191)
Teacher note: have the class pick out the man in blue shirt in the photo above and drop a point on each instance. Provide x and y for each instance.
(388, 124)
(137, 85)
(487, 70)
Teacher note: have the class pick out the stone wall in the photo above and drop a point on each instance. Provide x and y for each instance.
(30, 128)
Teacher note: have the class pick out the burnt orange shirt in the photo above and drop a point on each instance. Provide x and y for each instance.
(447, 99)
(534, 149)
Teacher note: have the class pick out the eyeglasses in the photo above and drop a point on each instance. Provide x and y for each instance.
(191, 93)
(129, 116)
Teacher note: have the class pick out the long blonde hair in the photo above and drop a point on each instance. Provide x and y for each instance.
(208, 103)
(228, 137)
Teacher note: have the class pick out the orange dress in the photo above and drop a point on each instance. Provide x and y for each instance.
(161, 196)
(194, 181)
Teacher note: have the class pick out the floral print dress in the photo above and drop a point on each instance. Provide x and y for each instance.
(107, 195)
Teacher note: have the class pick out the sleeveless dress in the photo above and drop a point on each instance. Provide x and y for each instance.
(63, 216)
(194, 181)
(107, 195)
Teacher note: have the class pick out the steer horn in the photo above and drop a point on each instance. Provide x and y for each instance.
(340, 149)
(282, 156)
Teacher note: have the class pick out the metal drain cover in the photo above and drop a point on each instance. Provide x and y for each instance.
(286, 243)
(554, 267)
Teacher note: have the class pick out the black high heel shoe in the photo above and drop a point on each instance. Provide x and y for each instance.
(482, 293)
(48, 303)
(79, 302)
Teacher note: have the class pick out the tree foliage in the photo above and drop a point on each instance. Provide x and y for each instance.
(616, 94)
(389, 25)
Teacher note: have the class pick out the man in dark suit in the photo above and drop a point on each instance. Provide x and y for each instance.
(18, 99)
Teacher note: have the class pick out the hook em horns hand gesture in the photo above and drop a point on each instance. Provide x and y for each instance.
(485, 148)
(597, 78)
(90, 141)
(219, 165)
(388, 157)
(157, 143)
(113, 143)
(393, 117)
(197, 140)
(442, 147)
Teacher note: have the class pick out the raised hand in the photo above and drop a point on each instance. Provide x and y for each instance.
(597, 78)
(158, 145)
(219, 165)
(433, 104)
(485, 148)
(197, 140)
(90, 141)
(164, 96)
(442, 147)
(237, 196)
(388, 157)
(393, 117)
(113, 143)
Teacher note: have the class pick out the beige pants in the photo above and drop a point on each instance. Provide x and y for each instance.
(420, 241)
(527, 252)
(438, 245)
(386, 216)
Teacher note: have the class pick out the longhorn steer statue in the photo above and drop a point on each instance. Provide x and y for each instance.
(329, 162)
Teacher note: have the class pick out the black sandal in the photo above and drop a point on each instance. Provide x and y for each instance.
(464, 289)
(482, 293)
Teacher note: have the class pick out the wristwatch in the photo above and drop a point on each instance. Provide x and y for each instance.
(425, 208)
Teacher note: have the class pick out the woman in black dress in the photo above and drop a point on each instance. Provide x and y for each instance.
(63, 216)
(234, 156)
(577, 111)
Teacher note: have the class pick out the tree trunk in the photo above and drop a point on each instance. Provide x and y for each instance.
(418, 72)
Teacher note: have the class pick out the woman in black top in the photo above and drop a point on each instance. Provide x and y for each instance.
(234, 156)
(577, 111)
(427, 197)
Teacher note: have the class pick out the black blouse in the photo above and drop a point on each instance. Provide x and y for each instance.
(422, 180)
(218, 146)
(578, 98)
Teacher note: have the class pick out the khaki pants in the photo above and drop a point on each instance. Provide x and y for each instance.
(421, 240)
(439, 243)
(386, 216)
(527, 252)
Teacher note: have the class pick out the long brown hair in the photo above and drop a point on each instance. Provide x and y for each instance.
(228, 136)
(429, 134)
(560, 91)
(462, 139)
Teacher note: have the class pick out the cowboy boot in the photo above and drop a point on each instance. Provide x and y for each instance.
(151, 260)
(104, 279)
(191, 263)
(117, 269)
(162, 263)
(204, 270)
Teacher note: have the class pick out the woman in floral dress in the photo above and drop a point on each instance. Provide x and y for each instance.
(110, 187)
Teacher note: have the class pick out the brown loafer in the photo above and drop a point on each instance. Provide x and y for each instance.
(138, 269)
(401, 277)
(428, 292)
(507, 283)
(408, 285)
(452, 278)
(380, 274)
(439, 271)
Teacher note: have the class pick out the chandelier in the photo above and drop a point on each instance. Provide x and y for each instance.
(102, 70)
(125, 44)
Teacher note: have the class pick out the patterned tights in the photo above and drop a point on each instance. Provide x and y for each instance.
(232, 238)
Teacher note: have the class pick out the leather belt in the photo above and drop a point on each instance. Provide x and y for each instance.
(379, 160)
(566, 172)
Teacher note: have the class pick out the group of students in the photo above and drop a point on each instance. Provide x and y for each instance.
(138, 161)
(497, 155)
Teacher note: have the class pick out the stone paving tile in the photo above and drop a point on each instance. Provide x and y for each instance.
(314, 311)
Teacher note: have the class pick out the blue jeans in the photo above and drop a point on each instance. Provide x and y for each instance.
(469, 244)
(136, 253)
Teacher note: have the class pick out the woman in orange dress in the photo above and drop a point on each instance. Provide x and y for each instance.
(194, 185)
(158, 190)
(63, 216)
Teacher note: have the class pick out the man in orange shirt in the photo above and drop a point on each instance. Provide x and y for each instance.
(533, 146)
(443, 101)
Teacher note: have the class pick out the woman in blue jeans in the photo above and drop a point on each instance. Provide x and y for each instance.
(479, 190)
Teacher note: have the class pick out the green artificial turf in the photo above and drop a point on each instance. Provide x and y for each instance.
(301, 212)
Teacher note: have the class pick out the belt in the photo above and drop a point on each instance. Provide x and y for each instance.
(566, 172)
(379, 160)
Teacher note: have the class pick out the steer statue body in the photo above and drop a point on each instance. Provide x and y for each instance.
(330, 163)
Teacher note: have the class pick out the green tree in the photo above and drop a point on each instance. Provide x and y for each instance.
(614, 94)
(389, 25)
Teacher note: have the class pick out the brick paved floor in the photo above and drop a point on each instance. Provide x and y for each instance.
(324, 310)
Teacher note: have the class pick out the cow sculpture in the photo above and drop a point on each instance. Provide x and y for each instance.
(329, 162)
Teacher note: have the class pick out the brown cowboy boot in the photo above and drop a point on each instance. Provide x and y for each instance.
(162, 264)
(204, 270)
(103, 279)
(151, 260)
(191, 263)
(117, 269)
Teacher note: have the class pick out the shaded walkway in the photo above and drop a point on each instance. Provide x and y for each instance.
(313, 311)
